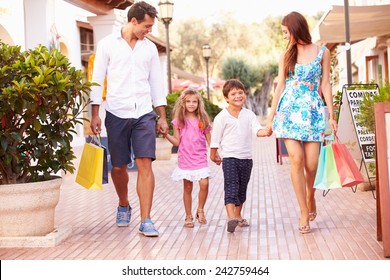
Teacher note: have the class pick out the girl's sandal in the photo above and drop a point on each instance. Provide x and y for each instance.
(188, 222)
(304, 229)
(200, 217)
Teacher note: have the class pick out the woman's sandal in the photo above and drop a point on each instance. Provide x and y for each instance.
(304, 229)
(200, 217)
(243, 223)
(312, 216)
(189, 222)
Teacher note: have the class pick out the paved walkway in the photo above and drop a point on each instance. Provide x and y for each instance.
(345, 228)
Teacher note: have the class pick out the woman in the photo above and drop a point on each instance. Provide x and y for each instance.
(297, 110)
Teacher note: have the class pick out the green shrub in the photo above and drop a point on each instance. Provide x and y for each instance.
(366, 117)
(211, 108)
(41, 102)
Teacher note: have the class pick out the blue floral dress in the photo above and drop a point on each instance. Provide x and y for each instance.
(300, 114)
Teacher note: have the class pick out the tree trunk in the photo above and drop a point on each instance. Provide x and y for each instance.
(251, 103)
(263, 94)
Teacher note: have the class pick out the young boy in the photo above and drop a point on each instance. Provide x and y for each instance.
(232, 132)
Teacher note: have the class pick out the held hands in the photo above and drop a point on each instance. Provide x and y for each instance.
(216, 158)
(264, 132)
(162, 126)
(267, 131)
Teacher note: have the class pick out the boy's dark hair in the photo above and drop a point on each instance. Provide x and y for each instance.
(139, 9)
(231, 84)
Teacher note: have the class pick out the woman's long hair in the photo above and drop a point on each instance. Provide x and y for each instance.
(179, 111)
(299, 34)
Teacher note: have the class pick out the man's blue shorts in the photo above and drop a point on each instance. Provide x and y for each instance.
(126, 134)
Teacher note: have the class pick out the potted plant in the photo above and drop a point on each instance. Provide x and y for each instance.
(366, 107)
(42, 99)
(366, 118)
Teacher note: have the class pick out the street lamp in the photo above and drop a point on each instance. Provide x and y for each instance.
(166, 13)
(347, 41)
(206, 50)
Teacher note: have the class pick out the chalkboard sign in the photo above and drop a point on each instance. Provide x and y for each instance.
(281, 150)
(366, 138)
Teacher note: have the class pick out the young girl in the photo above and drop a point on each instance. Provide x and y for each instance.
(191, 131)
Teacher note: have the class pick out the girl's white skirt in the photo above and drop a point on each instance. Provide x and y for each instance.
(190, 175)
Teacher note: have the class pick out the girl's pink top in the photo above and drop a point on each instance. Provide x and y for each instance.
(192, 153)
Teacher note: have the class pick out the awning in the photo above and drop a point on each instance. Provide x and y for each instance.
(180, 84)
(185, 80)
(181, 74)
(160, 44)
(365, 21)
(101, 7)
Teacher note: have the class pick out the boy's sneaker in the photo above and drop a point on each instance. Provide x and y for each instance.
(147, 228)
(123, 216)
(232, 224)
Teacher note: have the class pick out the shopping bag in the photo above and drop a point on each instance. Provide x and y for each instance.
(98, 141)
(327, 176)
(320, 174)
(347, 169)
(105, 166)
(93, 167)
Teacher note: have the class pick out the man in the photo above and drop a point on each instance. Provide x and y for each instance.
(134, 85)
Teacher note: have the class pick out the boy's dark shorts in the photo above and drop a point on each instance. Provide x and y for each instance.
(236, 173)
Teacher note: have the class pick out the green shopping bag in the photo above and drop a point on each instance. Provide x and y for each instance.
(320, 174)
(327, 176)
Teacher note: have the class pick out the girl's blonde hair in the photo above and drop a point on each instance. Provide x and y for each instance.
(179, 111)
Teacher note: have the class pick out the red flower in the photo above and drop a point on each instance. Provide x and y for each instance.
(200, 124)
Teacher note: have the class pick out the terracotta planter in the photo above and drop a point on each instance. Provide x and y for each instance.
(28, 209)
(163, 149)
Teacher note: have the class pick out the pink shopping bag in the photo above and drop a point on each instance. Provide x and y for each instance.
(349, 173)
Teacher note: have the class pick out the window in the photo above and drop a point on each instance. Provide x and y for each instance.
(372, 69)
(86, 44)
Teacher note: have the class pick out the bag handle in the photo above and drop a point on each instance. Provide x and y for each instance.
(95, 139)
(336, 139)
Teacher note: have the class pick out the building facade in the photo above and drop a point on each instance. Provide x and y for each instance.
(72, 26)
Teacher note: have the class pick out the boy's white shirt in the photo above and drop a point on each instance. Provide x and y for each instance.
(233, 136)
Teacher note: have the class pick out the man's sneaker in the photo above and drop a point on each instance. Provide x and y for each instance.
(147, 228)
(123, 216)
